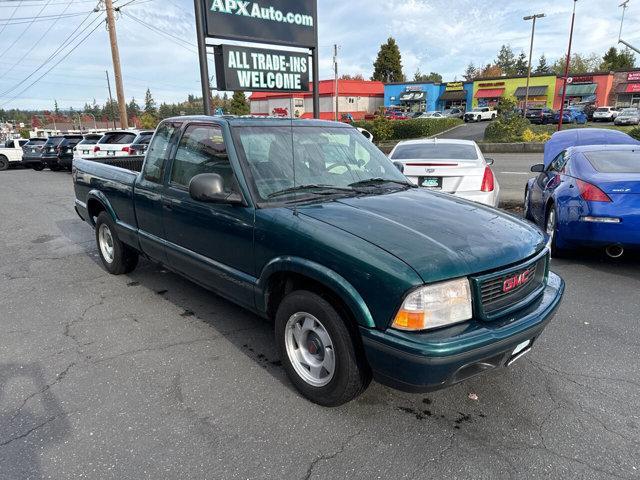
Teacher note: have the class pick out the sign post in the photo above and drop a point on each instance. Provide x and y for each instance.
(290, 23)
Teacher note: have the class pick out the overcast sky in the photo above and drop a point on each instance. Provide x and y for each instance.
(434, 35)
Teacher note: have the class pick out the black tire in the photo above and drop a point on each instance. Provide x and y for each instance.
(125, 259)
(478, 118)
(54, 168)
(493, 117)
(527, 211)
(551, 209)
(4, 163)
(38, 167)
(351, 374)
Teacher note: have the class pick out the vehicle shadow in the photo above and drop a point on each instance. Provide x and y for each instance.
(31, 417)
(627, 265)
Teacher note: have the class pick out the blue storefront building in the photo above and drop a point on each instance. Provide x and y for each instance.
(427, 97)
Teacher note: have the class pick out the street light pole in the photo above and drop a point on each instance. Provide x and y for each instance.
(566, 67)
(533, 31)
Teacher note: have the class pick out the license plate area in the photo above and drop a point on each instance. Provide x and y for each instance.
(433, 183)
(521, 349)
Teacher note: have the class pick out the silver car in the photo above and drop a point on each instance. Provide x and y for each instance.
(628, 116)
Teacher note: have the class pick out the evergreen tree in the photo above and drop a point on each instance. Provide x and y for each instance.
(542, 65)
(149, 103)
(133, 108)
(432, 77)
(614, 60)
(470, 73)
(56, 110)
(388, 65)
(506, 60)
(239, 104)
(580, 64)
(521, 66)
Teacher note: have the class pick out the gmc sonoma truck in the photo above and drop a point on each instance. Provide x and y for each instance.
(307, 223)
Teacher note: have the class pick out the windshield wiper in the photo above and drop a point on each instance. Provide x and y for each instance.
(312, 188)
(378, 180)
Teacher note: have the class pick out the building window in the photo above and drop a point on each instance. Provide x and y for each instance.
(351, 100)
(298, 102)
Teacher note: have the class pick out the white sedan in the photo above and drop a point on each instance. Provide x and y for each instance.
(451, 166)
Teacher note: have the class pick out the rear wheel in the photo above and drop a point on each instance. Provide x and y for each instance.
(116, 257)
(54, 168)
(4, 163)
(527, 207)
(38, 167)
(318, 351)
(551, 227)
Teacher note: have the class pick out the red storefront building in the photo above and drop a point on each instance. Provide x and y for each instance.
(355, 97)
(626, 91)
(588, 88)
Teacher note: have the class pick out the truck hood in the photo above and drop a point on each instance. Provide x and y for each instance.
(439, 236)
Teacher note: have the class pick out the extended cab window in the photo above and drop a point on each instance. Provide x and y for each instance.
(202, 150)
(158, 152)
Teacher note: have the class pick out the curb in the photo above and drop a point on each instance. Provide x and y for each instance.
(521, 147)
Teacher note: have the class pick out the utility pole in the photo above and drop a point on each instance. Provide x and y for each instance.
(335, 72)
(566, 67)
(117, 72)
(113, 117)
(533, 31)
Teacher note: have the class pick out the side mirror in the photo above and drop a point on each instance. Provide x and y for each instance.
(209, 187)
(537, 168)
(490, 161)
(399, 166)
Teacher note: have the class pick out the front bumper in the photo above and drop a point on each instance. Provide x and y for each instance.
(420, 362)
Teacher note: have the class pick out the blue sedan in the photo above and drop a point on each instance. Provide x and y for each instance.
(571, 115)
(588, 195)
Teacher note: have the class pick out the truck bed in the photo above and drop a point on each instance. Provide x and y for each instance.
(129, 162)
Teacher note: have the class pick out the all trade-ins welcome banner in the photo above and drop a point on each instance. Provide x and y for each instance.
(279, 22)
(258, 69)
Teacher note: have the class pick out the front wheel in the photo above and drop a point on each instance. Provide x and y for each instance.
(318, 351)
(4, 163)
(116, 257)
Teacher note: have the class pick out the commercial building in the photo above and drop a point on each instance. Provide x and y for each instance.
(487, 92)
(594, 88)
(357, 98)
(427, 96)
(625, 91)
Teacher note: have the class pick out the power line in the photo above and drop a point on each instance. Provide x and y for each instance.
(14, 12)
(68, 40)
(44, 18)
(35, 44)
(24, 31)
(53, 66)
(182, 42)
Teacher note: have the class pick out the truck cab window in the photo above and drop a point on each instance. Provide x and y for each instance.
(157, 152)
(202, 150)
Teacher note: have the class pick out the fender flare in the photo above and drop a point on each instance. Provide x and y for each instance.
(104, 201)
(332, 280)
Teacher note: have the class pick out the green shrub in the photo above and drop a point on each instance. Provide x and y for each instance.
(507, 129)
(384, 129)
(635, 133)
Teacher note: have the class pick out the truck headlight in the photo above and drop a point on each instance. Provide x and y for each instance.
(435, 306)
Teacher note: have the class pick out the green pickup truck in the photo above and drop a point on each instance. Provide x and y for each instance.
(307, 223)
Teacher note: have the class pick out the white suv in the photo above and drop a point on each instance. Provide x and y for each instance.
(605, 114)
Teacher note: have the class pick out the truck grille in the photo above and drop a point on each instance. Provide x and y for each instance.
(511, 288)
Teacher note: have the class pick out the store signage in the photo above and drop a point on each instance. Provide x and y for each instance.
(580, 79)
(412, 96)
(633, 88)
(491, 84)
(281, 22)
(453, 86)
(633, 77)
(414, 88)
(258, 69)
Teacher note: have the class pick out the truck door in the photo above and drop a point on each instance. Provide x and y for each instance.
(211, 243)
(148, 192)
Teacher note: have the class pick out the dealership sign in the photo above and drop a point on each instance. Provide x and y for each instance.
(280, 22)
(258, 69)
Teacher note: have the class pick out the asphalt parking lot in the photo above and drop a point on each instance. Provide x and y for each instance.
(150, 376)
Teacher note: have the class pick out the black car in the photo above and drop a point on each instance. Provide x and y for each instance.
(32, 153)
(540, 116)
(57, 153)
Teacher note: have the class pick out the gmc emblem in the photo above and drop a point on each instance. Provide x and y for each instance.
(515, 281)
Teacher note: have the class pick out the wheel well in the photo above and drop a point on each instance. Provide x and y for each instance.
(94, 207)
(282, 283)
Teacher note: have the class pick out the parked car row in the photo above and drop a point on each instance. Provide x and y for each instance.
(58, 152)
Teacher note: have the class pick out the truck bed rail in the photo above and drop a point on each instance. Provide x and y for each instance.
(130, 162)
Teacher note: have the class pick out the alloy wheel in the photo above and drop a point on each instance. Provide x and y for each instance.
(106, 243)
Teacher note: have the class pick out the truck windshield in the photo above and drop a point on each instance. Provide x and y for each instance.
(284, 160)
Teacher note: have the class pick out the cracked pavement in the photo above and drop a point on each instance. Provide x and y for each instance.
(150, 376)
